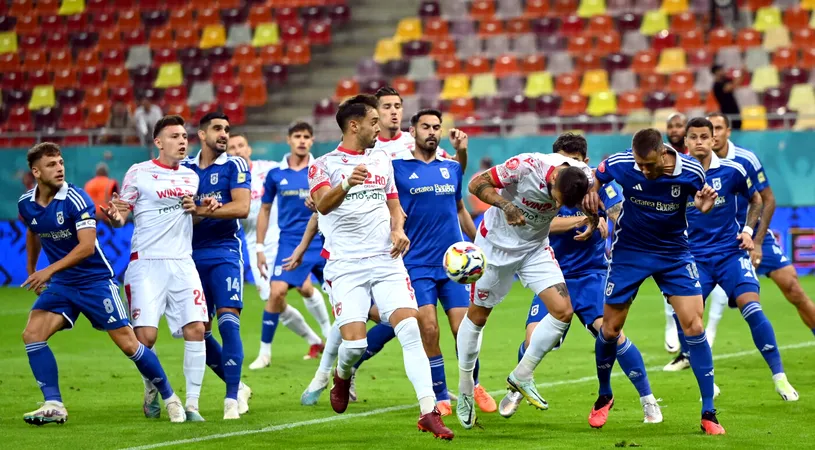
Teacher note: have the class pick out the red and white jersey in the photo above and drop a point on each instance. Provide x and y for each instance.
(258, 171)
(162, 230)
(522, 180)
(401, 147)
(361, 226)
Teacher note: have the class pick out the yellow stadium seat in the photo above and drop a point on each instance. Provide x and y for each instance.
(591, 8)
(409, 29)
(806, 119)
(602, 103)
(660, 119)
(776, 38)
(594, 81)
(767, 18)
(654, 22)
(387, 50)
(42, 96)
(674, 6)
(8, 42)
(807, 4)
(213, 36)
(455, 86)
(671, 60)
(801, 97)
(266, 34)
(484, 85)
(71, 7)
(169, 75)
(538, 83)
(764, 78)
(448, 121)
(754, 118)
(812, 21)
(637, 120)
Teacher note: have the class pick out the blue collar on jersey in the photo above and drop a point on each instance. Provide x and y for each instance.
(220, 160)
(677, 169)
(62, 193)
(285, 163)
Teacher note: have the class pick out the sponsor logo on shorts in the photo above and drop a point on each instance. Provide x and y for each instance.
(135, 313)
(338, 309)
(609, 288)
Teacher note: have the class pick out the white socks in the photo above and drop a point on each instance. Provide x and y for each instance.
(266, 349)
(669, 314)
(417, 366)
(718, 303)
(293, 320)
(468, 344)
(332, 348)
(543, 340)
(195, 359)
(263, 289)
(349, 354)
(316, 307)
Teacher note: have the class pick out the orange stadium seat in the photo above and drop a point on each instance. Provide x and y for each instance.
(572, 105)
(346, 88)
(60, 59)
(684, 21)
(785, 58)
(180, 18)
(27, 23)
(588, 61)
(298, 53)
(754, 5)
(644, 61)
(482, 9)
(98, 114)
(110, 40)
(600, 25)
(491, 27)
(435, 27)
(87, 58)
(443, 48)
(129, 19)
(518, 25)
(506, 65)
(796, 17)
(20, 7)
(64, 78)
(271, 54)
(651, 81)
(447, 67)
(249, 72)
(34, 60)
(580, 44)
(244, 54)
(747, 38)
(9, 62)
(688, 100)
(404, 86)
(803, 38)
(608, 43)
(181, 109)
(117, 77)
(692, 39)
(45, 7)
(720, 37)
(628, 102)
(187, 38)
(680, 81)
(254, 93)
(567, 82)
(460, 107)
(536, 8)
(258, 14)
(228, 92)
(564, 7)
(476, 65)
(207, 16)
(533, 63)
(808, 58)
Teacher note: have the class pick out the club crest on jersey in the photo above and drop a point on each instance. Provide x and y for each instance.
(444, 173)
(676, 190)
(717, 184)
(513, 163)
(60, 218)
(213, 178)
(344, 159)
(311, 171)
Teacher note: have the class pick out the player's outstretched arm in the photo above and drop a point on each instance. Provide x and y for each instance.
(116, 211)
(327, 199)
(593, 221)
(85, 248)
(238, 208)
(400, 241)
(465, 220)
(562, 225)
(296, 258)
(483, 187)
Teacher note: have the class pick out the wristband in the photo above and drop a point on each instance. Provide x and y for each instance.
(747, 230)
(260, 248)
(346, 186)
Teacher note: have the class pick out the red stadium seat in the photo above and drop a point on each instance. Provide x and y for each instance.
(38, 78)
(98, 114)
(161, 37)
(518, 25)
(46, 7)
(164, 56)
(680, 81)
(748, 38)
(53, 23)
(187, 38)
(222, 74)
(664, 39)
(754, 5)
(30, 42)
(9, 62)
(447, 67)
(443, 48)
(110, 40)
(27, 24)
(98, 6)
(207, 16)
(404, 86)
(572, 105)
(117, 77)
(482, 9)
(64, 78)
(134, 37)
(12, 80)
(588, 61)
(536, 8)
(580, 44)
(90, 76)
(236, 113)
(175, 95)
(684, 21)
(651, 82)
(129, 20)
(298, 54)
(35, 59)
(111, 58)
(271, 54)
(608, 43)
(319, 33)
(796, 18)
(259, 13)
(564, 7)
(71, 117)
(720, 37)
(567, 83)
(572, 26)
(180, 18)
(254, 93)
(434, 28)
(808, 58)
(122, 94)
(491, 27)
(627, 102)
(785, 58)
(692, 39)
(803, 38)
(644, 61)
(228, 93)
(506, 65)
(87, 58)
(600, 25)
(477, 65)
(460, 107)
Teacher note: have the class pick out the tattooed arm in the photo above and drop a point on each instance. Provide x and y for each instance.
(613, 213)
(483, 187)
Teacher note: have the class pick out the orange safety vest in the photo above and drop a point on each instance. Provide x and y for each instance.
(101, 190)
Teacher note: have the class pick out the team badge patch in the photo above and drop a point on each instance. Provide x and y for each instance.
(213, 179)
(676, 190)
(135, 313)
(242, 177)
(602, 167)
(717, 183)
(609, 289)
(60, 218)
(444, 173)
(85, 216)
(610, 193)
(513, 163)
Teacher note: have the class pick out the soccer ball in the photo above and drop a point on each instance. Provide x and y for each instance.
(464, 262)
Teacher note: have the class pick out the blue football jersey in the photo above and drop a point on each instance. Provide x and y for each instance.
(755, 171)
(429, 194)
(580, 257)
(653, 219)
(57, 225)
(289, 188)
(715, 233)
(212, 238)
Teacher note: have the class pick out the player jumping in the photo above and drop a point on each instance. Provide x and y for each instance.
(61, 219)
(651, 241)
(362, 220)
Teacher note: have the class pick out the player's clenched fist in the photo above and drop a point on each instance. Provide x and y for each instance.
(591, 202)
(401, 243)
(515, 216)
(188, 204)
(358, 176)
(705, 199)
(459, 139)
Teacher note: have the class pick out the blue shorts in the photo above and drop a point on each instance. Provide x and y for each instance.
(773, 257)
(733, 272)
(586, 293)
(313, 263)
(222, 280)
(431, 285)
(99, 301)
(674, 274)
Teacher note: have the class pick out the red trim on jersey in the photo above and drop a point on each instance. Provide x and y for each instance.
(472, 292)
(324, 183)
(548, 174)
(128, 295)
(349, 151)
(325, 254)
(393, 196)
(134, 256)
(164, 166)
(482, 229)
(381, 139)
(495, 179)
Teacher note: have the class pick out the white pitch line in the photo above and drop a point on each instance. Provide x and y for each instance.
(379, 411)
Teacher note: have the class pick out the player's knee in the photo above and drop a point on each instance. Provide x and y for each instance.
(194, 331)
(563, 313)
(33, 334)
(127, 343)
(791, 288)
(693, 327)
(306, 290)
(430, 334)
(478, 315)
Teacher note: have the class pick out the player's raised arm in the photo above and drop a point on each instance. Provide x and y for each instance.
(327, 198)
(460, 142)
(485, 187)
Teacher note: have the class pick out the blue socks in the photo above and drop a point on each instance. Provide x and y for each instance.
(229, 325)
(270, 321)
(813, 331)
(630, 359)
(475, 371)
(213, 349)
(44, 366)
(605, 352)
(763, 335)
(149, 366)
(521, 350)
(378, 336)
(439, 379)
(701, 361)
(682, 344)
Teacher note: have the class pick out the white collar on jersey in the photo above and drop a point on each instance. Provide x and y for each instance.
(677, 169)
(62, 193)
(715, 161)
(731, 150)
(220, 160)
(284, 164)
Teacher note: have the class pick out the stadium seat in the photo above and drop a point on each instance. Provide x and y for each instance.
(164, 56)
(35, 59)
(346, 88)
(461, 107)
(117, 77)
(680, 82)
(808, 58)
(254, 93)
(533, 63)
(123, 94)
(796, 17)
(801, 96)
(476, 65)
(594, 81)
(644, 62)
(128, 20)
(109, 58)
(207, 16)
(517, 26)
(747, 38)
(683, 22)
(607, 43)
(536, 8)
(169, 75)
(653, 22)
(567, 83)
(10, 62)
(602, 103)
(244, 54)
(47, 7)
(579, 45)
(754, 118)
(652, 82)
(482, 9)
(572, 26)
(42, 96)
(447, 67)
(591, 8)
(408, 29)
(804, 38)
(775, 99)
(213, 36)
(754, 58)
(672, 7)
(483, 85)
(628, 102)
(572, 105)
(297, 54)
(767, 18)
(688, 100)
(435, 28)
(633, 42)
(805, 119)
(637, 120)
(469, 48)
(443, 48)
(101, 21)
(692, 39)
(776, 38)
(662, 40)
(64, 78)
(8, 42)
(386, 50)
(429, 8)
(248, 73)
(110, 40)
(71, 117)
(538, 83)
(671, 60)
(560, 62)
(134, 37)
(38, 77)
(455, 86)
(719, 38)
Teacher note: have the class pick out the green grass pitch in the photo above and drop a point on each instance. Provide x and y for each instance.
(103, 391)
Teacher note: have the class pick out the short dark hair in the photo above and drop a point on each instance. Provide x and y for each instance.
(424, 112)
(42, 149)
(234, 135)
(722, 115)
(167, 121)
(715, 68)
(385, 91)
(646, 141)
(571, 143)
(573, 184)
(355, 107)
(301, 126)
(699, 122)
(209, 117)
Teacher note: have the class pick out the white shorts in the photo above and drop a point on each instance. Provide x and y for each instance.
(262, 284)
(354, 282)
(537, 268)
(169, 287)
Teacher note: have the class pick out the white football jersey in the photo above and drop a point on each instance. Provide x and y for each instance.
(258, 171)
(522, 180)
(162, 230)
(401, 147)
(360, 227)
